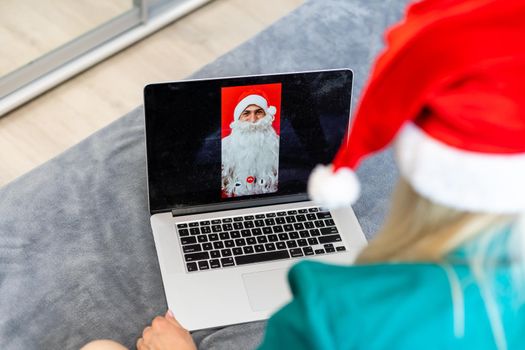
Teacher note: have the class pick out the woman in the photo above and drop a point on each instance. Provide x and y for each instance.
(447, 269)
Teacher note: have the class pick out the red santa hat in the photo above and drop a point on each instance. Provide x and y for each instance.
(253, 97)
(449, 92)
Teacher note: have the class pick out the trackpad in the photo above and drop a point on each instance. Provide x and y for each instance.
(267, 290)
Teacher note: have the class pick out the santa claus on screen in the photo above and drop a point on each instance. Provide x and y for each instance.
(250, 154)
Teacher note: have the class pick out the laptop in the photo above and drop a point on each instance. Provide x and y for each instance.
(228, 161)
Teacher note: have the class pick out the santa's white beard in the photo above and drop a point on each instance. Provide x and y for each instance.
(252, 149)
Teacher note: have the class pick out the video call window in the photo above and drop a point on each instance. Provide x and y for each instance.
(250, 125)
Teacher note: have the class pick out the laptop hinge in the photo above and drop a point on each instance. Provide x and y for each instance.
(240, 204)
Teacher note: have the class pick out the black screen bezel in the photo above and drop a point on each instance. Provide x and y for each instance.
(240, 202)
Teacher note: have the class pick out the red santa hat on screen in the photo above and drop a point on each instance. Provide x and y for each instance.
(253, 97)
(449, 92)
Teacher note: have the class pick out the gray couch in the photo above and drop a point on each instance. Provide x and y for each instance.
(77, 259)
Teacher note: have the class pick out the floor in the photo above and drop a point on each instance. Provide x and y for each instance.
(48, 125)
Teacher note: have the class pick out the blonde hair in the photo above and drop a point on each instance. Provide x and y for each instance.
(418, 230)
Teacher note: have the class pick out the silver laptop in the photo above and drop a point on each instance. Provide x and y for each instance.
(228, 162)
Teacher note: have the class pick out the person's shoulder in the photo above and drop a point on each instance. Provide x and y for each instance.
(367, 281)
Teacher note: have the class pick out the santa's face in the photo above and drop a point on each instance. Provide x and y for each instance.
(252, 113)
(250, 156)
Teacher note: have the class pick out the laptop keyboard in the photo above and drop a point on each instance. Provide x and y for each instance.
(247, 239)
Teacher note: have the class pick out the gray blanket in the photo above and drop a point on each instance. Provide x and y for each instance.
(77, 259)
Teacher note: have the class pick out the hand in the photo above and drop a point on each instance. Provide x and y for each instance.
(165, 333)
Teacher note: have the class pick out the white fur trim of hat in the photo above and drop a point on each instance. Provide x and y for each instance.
(257, 100)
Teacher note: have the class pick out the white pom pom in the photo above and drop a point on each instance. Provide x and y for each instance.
(333, 190)
(272, 110)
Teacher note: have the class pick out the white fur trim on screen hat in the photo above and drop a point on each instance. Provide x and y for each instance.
(257, 100)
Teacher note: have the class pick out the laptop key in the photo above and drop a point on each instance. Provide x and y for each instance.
(213, 237)
(290, 219)
(259, 223)
(294, 235)
(309, 224)
(246, 233)
(227, 262)
(298, 226)
(257, 231)
(262, 239)
(248, 250)
(329, 222)
(288, 227)
(197, 256)
(302, 242)
(302, 211)
(269, 246)
(183, 232)
(277, 229)
(280, 221)
(191, 267)
(227, 220)
(194, 224)
(216, 228)
(224, 235)
(300, 218)
(229, 243)
(329, 230)
(227, 227)
(249, 224)
(319, 223)
(269, 222)
(235, 234)
(203, 265)
(311, 217)
(324, 215)
(308, 251)
(226, 252)
(270, 215)
(259, 248)
(291, 244)
(267, 230)
(182, 225)
(237, 251)
(237, 219)
(205, 229)
(292, 212)
(202, 238)
(304, 234)
(281, 213)
(249, 217)
(319, 251)
(240, 242)
(296, 252)
(312, 241)
(218, 245)
(215, 254)
(207, 246)
(273, 238)
(313, 210)
(340, 248)
(259, 216)
(251, 241)
(215, 264)
(315, 232)
(329, 239)
(261, 257)
(205, 222)
(283, 236)
(216, 221)
(195, 231)
(188, 240)
(237, 225)
(280, 245)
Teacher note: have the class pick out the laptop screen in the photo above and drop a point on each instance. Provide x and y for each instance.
(243, 140)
